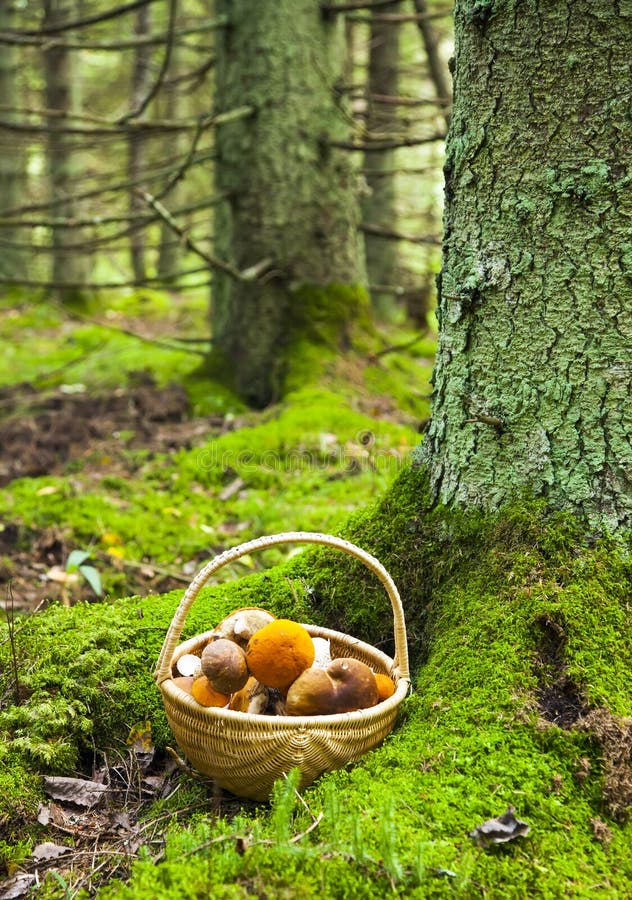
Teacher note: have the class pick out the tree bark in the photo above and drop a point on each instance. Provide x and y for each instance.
(379, 206)
(68, 265)
(292, 196)
(533, 379)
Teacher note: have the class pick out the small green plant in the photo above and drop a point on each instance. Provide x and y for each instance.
(76, 562)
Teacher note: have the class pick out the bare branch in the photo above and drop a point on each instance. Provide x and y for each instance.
(115, 128)
(354, 4)
(250, 274)
(104, 285)
(377, 146)
(389, 234)
(96, 221)
(88, 20)
(20, 38)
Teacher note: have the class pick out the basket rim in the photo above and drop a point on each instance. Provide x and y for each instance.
(179, 697)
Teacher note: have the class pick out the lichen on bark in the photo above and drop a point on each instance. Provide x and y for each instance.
(533, 380)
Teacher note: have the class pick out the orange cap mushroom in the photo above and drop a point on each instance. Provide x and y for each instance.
(224, 664)
(252, 698)
(279, 652)
(205, 694)
(385, 687)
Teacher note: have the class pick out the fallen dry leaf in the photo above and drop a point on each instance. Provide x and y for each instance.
(74, 790)
(500, 830)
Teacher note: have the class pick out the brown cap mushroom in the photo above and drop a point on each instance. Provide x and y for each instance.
(354, 684)
(346, 685)
(224, 664)
(312, 694)
(279, 652)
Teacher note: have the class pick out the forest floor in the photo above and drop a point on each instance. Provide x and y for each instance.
(95, 409)
(509, 770)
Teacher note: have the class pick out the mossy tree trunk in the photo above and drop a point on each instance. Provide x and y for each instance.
(533, 379)
(379, 206)
(292, 197)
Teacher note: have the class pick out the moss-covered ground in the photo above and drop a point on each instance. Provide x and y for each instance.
(520, 632)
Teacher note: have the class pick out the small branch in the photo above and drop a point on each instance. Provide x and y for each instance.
(354, 4)
(143, 218)
(118, 329)
(400, 18)
(250, 274)
(438, 69)
(104, 285)
(389, 234)
(88, 20)
(113, 128)
(109, 188)
(14, 38)
(377, 146)
(405, 101)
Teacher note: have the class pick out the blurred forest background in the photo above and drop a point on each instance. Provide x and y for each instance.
(118, 445)
(107, 123)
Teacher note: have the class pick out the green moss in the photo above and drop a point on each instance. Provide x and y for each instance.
(470, 741)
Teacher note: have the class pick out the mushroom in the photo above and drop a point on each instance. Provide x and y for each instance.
(385, 687)
(346, 685)
(279, 652)
(355, 684)
(184, 682)
(224, 664)
(188, 664)
(312, 694)
(322, 649)
(252, 698)
(240, 625)
(205, 694)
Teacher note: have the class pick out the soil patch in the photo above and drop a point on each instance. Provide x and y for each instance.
(46, 433)
(559, 698)
(40, 434)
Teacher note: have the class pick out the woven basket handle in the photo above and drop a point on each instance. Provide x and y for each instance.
(163, 669)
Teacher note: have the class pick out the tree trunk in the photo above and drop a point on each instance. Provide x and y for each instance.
(12, 160)
(437, 68)
(533, 380)
(379, 206)
(136, 148)
(68, 265)
(292, 196)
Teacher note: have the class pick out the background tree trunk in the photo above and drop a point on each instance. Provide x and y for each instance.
(292, 195)
(136, 148)
(12, 158)
(68, 265)
(533, 380)
(379, 206)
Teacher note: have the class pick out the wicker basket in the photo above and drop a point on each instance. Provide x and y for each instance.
(246, 753)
